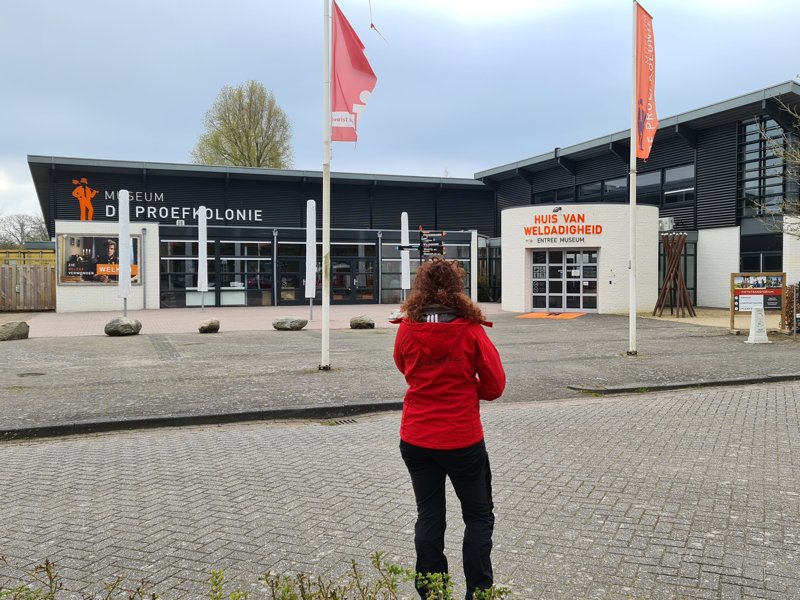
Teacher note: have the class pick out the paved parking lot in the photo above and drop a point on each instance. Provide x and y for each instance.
(690, 494)
(173, 376)
(679, 493)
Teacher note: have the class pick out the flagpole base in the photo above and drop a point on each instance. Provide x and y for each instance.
(632, 353)
(324, 367)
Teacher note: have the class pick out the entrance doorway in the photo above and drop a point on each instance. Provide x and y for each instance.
(565, 280)
(353, 281)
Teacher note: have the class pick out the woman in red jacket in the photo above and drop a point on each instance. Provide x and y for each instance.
(450, 365)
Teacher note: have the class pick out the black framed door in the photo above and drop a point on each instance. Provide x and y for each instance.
(353, 281)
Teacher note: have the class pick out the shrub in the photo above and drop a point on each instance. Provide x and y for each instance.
(384, 584)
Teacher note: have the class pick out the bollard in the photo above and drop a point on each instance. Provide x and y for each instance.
(758, 327)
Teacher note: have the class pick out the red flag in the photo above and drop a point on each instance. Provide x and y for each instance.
(646, 119)
(353, 79)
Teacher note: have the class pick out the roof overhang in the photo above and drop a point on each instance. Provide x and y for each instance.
(684, 125)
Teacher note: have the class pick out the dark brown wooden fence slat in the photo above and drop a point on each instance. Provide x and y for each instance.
(27, 288)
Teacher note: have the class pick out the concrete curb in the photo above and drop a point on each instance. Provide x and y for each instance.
(654, 387)
(300, 413)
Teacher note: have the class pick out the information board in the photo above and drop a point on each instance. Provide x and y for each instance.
(756, 290)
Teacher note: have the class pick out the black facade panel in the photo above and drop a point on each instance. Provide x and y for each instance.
(391, 201)
(716, 177)
(683, 215)
(552, 179)
(466, 209)
(513, 192)
(284, 202)
(281, 204)
(191, 192)
(666, 152)
(608, 166)
(350, 206)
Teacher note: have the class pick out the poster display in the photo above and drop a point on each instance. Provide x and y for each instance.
(757, 289)
(93, 259)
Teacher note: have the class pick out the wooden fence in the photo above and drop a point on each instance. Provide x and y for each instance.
(27, 257)
(27, 288)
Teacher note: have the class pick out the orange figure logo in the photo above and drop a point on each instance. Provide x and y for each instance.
(84, 194)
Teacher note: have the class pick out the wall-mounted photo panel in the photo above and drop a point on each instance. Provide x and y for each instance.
(93, 259)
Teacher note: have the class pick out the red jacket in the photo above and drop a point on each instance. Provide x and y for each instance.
(449, 368)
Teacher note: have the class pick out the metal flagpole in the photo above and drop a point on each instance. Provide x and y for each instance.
(632, 208)
(325, 362)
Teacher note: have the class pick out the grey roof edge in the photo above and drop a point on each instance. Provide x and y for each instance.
(787, 87)
(43, 160)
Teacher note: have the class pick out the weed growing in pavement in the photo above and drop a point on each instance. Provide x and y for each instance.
(44, 583)
(385, 583)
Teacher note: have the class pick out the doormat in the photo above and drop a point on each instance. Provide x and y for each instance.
(544, 315)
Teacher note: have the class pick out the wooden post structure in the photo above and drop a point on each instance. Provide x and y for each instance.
(673, 278)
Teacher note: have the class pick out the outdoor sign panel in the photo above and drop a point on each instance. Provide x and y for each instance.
(756, 290)
(93, 259)
(431, 243)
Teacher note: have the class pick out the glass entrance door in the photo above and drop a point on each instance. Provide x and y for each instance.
(353, 281)
(565, 280)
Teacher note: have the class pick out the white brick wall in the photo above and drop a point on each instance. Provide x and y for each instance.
(717, 258)
(613, 256)
(88, 298)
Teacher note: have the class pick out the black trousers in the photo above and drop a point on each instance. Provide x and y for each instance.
(469, 472)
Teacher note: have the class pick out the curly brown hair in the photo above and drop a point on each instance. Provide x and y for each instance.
(441, 281)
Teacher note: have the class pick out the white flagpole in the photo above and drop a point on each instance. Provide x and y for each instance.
(124, 250)
(325, 362)
(632, 209)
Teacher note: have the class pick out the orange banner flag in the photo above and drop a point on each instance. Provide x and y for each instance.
(646, 119)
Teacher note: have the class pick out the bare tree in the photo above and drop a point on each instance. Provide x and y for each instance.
(246, 128)
(17, 229)
(787, 148)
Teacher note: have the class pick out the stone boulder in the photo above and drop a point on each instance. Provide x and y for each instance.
(362, 322)
(14, 330)
(209, 326)
(289, 323)
(123, 326)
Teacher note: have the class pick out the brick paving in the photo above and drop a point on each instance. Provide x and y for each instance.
(689, 494)
(94, 382)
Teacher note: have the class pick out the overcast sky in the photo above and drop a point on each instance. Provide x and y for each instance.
(463, 85)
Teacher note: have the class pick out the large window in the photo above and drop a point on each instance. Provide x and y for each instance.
(239, 273)
(391, 269)
(663, 187)
(561, 195)
(615, 189)
(761, 172)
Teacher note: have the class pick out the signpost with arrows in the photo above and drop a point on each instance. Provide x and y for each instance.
(431, 243)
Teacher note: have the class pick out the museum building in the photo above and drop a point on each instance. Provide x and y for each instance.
(548, 233)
